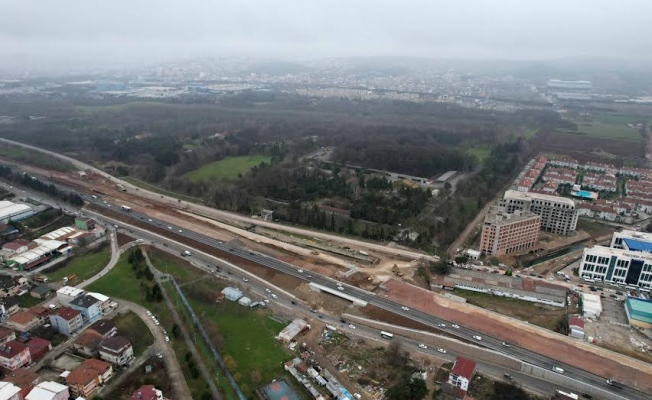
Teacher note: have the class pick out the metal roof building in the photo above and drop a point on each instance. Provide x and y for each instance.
(232, 293)
(14, 212)
(37, 255)
(289, 332)
(639, 312)
(244, 301)
(591, 305)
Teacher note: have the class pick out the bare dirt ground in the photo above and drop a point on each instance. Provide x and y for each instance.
(612, 332)
(123, 239)
(550, 344)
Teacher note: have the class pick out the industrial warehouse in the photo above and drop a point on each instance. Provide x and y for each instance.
(10, 211)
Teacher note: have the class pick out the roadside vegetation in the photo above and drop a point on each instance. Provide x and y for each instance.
(538, 314)
(135, 330)
(128, 281)
(83, 266)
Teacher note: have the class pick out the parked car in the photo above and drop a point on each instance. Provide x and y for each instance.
(476, 337)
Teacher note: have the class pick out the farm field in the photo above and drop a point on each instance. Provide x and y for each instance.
(227, 169)
(578, 146)
(84, 265)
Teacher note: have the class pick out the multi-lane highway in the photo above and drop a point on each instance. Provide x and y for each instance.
(389, 305)
(262, 289)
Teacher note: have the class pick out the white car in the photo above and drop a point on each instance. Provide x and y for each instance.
(245, 279)
(274, 296)
(340, 288)
(149, 313)
(157, 323)
(405, 308)
(455, 326)
(442, 325)
(159, 355)
(266, 301)
(180, 231)
(423, 346)
(507, 344)
(357, 395)
(351, 326)
(300, 271)
(149, 220)
(476, 337)
(169, 227)
(268, 291)
(167, 338)
(441, 351)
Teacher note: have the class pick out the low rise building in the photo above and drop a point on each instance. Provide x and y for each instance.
(117, 350)
(506, 233)
(14, 355)
(102, 328)
(18, 246)
(9, 391)
(576, 327)
(8, 306)
(293, 329)
(49, 391)
(41, 291)
(516, 287)
(105, 302)
(639, 312)
(85, 380)
(25, 379)
(66, 320)
(67, 294)
(461, 374)
(38, 348)
(9, 286)
(591, 305)
(24, 321)
(6, 335)
(147, 392)
(87, 344)
(89, 307)
(232, 293)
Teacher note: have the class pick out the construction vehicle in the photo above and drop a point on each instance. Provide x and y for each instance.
(69, 278)
(40, 278)
(396, 271)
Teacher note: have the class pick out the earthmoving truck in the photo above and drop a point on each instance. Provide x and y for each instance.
(40, 278)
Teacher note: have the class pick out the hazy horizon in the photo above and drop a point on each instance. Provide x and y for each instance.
(120, 33)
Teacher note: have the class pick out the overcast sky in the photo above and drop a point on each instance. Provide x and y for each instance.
(147, 30)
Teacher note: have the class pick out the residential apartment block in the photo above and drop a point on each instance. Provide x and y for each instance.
(628, 261)
(558, 214)
(506, 233)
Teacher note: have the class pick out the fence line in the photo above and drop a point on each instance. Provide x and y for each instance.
(216, 355)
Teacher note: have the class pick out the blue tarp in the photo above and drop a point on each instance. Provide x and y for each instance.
(638, 245)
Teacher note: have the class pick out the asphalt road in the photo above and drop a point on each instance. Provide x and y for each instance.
(461, 332)
(258, 286)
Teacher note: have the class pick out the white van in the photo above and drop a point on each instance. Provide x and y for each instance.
(558, 370)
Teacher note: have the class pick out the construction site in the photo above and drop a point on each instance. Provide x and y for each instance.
(386, 270)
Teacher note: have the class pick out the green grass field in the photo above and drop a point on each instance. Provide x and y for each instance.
(177, 267)
(84, 265)
(227, 169)
(27, 301)
(133, 328)
(247, 338)
(480, 152)
(607, 130)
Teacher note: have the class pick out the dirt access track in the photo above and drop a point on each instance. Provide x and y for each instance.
(593, 359)
(590, 358)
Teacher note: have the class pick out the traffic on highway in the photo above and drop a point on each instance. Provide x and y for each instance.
(453, 330)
